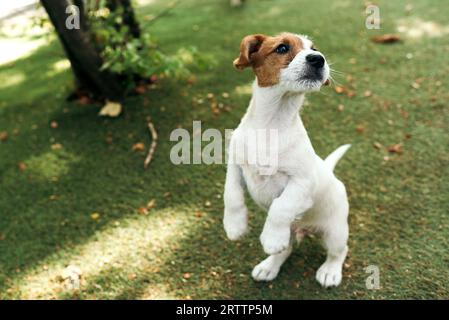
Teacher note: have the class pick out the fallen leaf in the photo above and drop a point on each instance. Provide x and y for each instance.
(198, 214)
(53, 124)
(143, 211)
(151, 204)
(386, 38)
(191, 80)
(350, 94)
(21, 166)
(111, 109)
(415, 85)
(140, 89)
(186, 275)
(132, 276)
(95, 216)
(225, 95)
(56, 146)
(139, 146)
(83, 100)
(339, 89)
(395, 148)
(367, 93)
(340, 107)
(167, 194)
(3, 136)
(360, 128)
(377, 145)
(207, 204)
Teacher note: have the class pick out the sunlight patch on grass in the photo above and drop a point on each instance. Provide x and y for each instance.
(144, 2)
(158, 291)
(61, 65)
(417, 28)
(58, 67)
(133, 247)
(21, 36)
(52, 164)
(17, 49)
(12, 79)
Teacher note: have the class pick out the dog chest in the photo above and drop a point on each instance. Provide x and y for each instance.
(263, 188)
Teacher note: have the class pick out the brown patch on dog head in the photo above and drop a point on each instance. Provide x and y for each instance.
(259, 52)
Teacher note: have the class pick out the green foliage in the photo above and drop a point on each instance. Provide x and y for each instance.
(137, 57)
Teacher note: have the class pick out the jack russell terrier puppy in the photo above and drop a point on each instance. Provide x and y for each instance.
(302, 194)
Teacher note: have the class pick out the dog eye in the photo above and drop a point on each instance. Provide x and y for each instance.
(313, 48)
(282, 49)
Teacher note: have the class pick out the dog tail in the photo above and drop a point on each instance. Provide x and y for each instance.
(335, 156)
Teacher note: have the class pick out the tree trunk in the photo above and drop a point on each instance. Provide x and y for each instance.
(85, 60)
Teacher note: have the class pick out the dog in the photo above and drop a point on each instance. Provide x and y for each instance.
(302, 194)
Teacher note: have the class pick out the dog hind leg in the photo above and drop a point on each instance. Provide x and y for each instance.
(330, 272)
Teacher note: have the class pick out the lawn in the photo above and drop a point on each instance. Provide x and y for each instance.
(71, 185)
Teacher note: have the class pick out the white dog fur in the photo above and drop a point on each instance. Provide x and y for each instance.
(303, 194)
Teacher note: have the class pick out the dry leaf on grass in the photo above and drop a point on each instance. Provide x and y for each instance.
(139, 146)
(140, 89)
(386, 38)
(3, 136)
(367, 93)
(111, 109)
(83, 100)
(339, 89)
(56, 146)
(143, 211)
(377, 145)
(21, 166)
(151, 204)
(395, 148)
(360, 128)
(186, 275)
(95, 216)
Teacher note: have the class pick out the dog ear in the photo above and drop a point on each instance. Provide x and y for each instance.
(248, 46)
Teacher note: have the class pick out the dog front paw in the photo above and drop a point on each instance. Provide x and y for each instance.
(274, 239)
(235, 224)
(267, 270)
(329, 275)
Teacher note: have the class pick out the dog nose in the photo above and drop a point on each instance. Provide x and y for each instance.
(315, 60)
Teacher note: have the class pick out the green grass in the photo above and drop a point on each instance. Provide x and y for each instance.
(399, 205)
